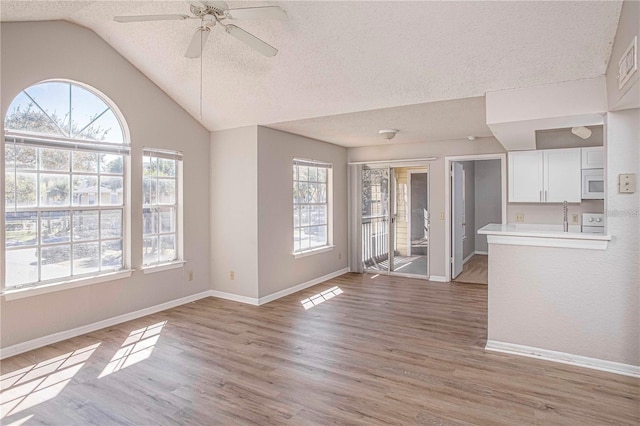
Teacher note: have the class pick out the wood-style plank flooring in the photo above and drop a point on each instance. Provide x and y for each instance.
(475, 271)
(382, 350)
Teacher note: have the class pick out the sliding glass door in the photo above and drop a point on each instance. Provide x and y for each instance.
(395, 220)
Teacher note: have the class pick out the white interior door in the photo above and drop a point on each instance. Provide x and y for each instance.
(457, 209)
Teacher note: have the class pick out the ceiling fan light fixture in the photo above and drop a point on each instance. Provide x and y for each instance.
(388, 134)
(581, 132)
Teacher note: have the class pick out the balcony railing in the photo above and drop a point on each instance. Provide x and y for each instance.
(375, 240)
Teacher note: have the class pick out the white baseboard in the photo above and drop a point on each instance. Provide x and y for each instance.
(438, 278)
(482, 253)
(299, 287)
(234, 297)
(564, 358)
(78, 331)
(468, 258)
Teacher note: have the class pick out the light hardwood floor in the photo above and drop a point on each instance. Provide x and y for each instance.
(382, 350)
(475, 271)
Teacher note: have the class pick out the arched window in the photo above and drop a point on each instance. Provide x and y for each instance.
(65, 185)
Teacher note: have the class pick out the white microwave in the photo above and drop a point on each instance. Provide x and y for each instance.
(593, 184)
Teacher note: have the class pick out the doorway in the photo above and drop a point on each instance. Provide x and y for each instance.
(477, 198)
(395, 220)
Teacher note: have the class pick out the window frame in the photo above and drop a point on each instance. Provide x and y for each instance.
(177, 205)
(297, 162)
(70, 145)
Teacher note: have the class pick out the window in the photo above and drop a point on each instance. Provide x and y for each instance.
(160, 206)
(65, 186)
(311, 205)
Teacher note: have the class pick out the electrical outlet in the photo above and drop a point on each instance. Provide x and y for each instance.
(519, 217)
(232, 275)
(627, 183)
(575, 218)
(190, 276)
(441, 215)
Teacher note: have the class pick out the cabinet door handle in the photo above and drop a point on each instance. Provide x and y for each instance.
(540, 195)
(545, 195)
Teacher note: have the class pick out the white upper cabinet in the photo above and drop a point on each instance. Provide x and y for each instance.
(562, 175)
(551, 176)
(525, 177)
(593, 157)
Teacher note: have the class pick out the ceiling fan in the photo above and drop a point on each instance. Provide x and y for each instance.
(212, 13)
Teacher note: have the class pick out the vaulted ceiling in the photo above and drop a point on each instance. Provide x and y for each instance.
(346, 69)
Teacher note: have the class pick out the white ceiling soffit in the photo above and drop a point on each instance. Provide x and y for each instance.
(342, 57)
(434, 121)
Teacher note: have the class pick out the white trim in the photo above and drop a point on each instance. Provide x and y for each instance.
(468, 258)
(151, 269)
(78, 331)
(299, 287)
(311, 252)
(390, 163)
(482, 253)
(438, 279)
(20, 293)
(512, 240)
(234, 297)
(447, 192)
(564, 358)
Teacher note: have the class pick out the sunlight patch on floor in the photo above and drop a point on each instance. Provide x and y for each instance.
(137, 347)
(317, 299)
(30, 386)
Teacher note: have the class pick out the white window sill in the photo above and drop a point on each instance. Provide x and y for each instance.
(151, 269)
(318, 250)
(20, 293)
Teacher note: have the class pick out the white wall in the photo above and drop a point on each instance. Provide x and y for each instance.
(438, 261)
(488, 198)
(234, 211)
(628, 27)
(278, 269)
(32, 52)
(582, 302)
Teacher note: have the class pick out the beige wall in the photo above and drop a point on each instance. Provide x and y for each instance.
(628, 27)
(32, 52)
(277, 268)
(438, 258)
(582, 302)
(234, 211)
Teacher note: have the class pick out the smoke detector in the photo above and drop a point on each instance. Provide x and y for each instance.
(388, 134)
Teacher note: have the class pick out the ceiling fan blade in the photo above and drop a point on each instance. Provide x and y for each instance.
(262, 12)
(145, 18)
(198, 41)
(251, 40)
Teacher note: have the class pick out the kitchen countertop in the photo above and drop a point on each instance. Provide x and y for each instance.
(543, 236)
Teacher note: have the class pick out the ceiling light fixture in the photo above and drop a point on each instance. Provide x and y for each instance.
(581, 132)
(388, 134)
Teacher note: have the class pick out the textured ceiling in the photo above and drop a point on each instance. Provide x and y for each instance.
(343, 57)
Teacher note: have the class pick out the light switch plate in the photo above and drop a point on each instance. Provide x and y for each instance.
(627, 183)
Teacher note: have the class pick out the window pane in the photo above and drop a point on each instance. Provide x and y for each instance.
(54, 99)
(111, 257)
(9, 190)
(321, 193)
(111, 224)
(318, 215)
(305, 215)
(106, 128)
(303, 173)
(85, 225)
(150, 249)
(296, 239)
(86, 107)
(304, 239)
(55, 227)
(55, 160)
(54, 190)
(86, 162)
(313, 174)
(149, 190)
(322, 175)
(166, 168)
(86, 258)
(150, 221)
(85, 190)
(149, 166)
(21, 229)
(111, 163)
(166, 191)
(167, 248)
(167, 219)
(25, 157)
(318, 236)
(55, 262)
(25, 186)
(296, 216)
(111, 191)
(22, 266)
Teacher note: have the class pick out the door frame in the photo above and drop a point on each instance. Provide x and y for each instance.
(447, 191)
